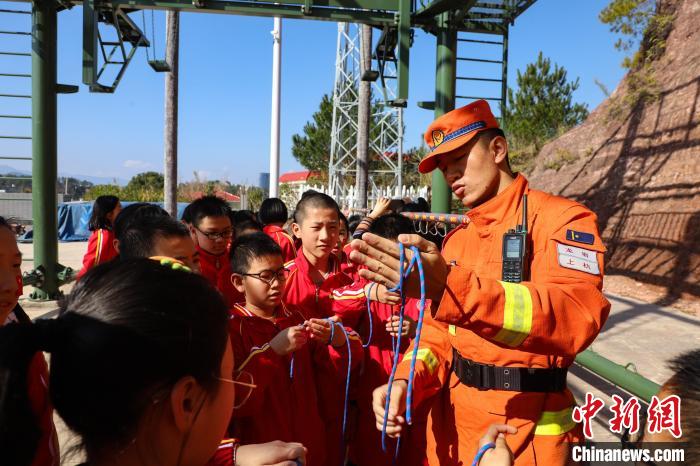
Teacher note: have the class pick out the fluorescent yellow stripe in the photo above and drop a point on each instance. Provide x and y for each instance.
(98, 253)
(453, 330)
(254, 351)
(555, 422)
(517, 314)
(426, 355)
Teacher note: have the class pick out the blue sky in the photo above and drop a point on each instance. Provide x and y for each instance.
(225, 88)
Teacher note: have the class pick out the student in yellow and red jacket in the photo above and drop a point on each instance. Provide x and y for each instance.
(211, 230)
(284, 353)
(273, 215)
(101, 246)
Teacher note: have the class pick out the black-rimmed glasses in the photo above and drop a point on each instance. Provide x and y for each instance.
(268, 276)
(227, 234)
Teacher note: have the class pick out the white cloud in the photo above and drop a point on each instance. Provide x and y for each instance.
(137, 164)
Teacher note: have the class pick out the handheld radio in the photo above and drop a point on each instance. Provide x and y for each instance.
(515, 251)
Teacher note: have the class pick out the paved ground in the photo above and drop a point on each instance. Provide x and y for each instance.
(643, 334)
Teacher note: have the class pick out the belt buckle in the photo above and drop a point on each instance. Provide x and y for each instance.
(487, 373)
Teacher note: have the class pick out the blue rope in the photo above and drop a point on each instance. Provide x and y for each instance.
(404, 273)
(419, 328)
(481, 452)
(369, 315)
(347, 382)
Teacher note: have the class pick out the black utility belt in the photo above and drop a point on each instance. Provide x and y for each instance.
(514, 379)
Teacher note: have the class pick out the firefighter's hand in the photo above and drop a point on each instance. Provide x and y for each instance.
(380, 293)
(289, 340)
(395, 420)
(275, 453)
(408, 329)
(380, 207)
(381, 257)
(501, 454)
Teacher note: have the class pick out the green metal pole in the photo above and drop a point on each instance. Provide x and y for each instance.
(446, 66)
(44, 169)
(618, 375)
(504, 74)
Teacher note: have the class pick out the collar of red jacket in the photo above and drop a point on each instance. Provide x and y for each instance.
(502, 207)
(212, 258)
(241, 311)
(304, 265)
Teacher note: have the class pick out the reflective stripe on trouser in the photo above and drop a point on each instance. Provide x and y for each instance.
(555, 422)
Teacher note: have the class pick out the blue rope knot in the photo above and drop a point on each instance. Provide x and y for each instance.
(399, 288)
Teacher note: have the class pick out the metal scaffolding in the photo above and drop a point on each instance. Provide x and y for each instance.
(105, 61)
(386, 120)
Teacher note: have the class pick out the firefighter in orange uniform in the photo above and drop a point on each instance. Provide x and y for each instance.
(495, 346)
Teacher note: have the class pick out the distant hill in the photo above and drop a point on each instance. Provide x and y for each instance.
(638, 169)
(12, 171)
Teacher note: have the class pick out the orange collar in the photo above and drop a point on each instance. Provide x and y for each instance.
(503, 207)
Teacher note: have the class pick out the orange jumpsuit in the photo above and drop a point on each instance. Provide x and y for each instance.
(540, 323)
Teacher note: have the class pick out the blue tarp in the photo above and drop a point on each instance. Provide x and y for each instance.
(73, 220)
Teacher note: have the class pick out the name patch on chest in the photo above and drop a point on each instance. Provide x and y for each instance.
(572, 257)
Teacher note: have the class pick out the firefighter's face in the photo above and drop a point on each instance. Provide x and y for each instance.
(318, 230)
(10, 269)
(473, 172)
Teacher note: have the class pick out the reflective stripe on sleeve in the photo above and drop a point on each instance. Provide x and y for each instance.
(424, 354)
(517, 314)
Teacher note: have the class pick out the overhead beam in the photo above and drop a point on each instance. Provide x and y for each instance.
(437, 7)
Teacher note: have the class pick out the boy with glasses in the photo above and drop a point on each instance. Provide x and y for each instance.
(282, 350)
(211, 230)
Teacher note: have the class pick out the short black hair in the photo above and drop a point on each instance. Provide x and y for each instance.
(353, 223)
(246, 224)
(207, 206)
(102, 206)
(488, 134)
(314, 200)
(249, 247)
(4, 223)
(390, 226)
(242, 215)
(135, 213)
(140, 238)
(344, 219)
(273, 210)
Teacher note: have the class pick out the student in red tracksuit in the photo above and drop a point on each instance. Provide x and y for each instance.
(379, 330)
(283, 352)
(45, 451)
(273, 215)
(313, 275)
(101, 243)
(210, 226)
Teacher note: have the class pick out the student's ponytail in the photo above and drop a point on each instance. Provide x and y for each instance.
(19, 426)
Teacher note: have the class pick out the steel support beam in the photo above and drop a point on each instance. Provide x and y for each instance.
(437, 7)
(44, 164)
(445, 73)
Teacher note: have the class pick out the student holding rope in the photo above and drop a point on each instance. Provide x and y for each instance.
(513, 303)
